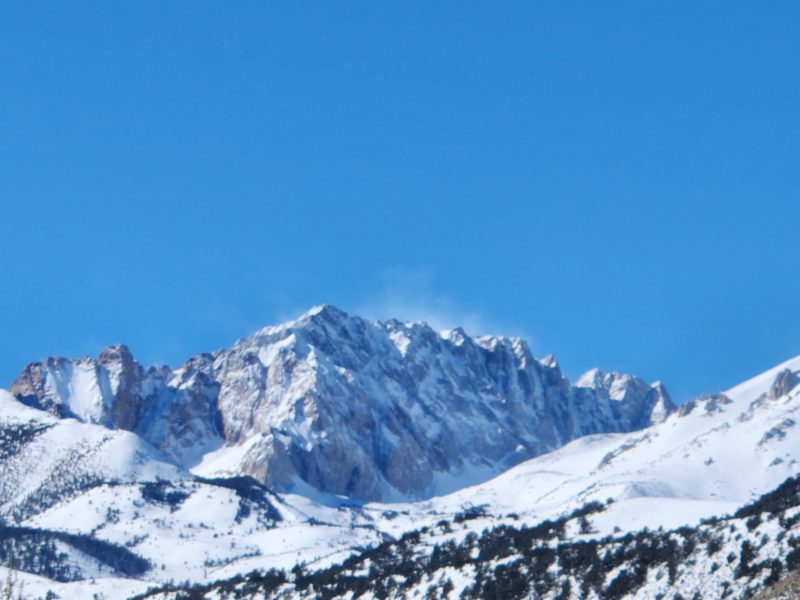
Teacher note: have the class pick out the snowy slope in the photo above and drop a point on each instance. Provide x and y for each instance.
(714, 454)
(46, 460)
(62, 476)
(754, 553)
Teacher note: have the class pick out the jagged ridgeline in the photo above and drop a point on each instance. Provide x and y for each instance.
(755, 551)
(336, 403)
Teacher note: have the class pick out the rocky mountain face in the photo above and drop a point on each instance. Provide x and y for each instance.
(333, 402)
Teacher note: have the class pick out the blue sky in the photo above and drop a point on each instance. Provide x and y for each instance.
(618, 182)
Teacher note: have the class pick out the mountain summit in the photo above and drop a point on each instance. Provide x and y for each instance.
(334, 403)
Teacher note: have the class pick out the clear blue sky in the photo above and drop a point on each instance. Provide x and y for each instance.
(617, 181)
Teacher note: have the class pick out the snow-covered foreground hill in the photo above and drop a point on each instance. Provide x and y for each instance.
(753, 553)
(115, 478)
(84, 506)
(712, 455)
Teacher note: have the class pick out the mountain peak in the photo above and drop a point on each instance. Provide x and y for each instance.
(325, 311)
(321, 314)
(115, 353)
(549, 361)
(593, 378)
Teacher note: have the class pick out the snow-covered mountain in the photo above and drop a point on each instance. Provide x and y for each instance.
(705, 504)
(137, 476)
(337, 404)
